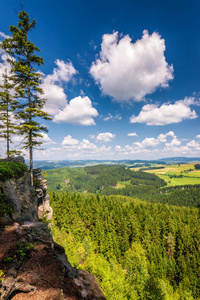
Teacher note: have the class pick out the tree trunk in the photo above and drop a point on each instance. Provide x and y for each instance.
(30, 137)
(31, 160)
(7, 132)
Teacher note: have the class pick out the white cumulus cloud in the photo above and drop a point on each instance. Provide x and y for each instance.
(163, 137)
(45, 139)
(78, 111)
(105, 137)
(69, 141)
(52, 86)
(193, 144)
(86, 145)
(84, 148)
(167, 113)
(4, 65)
(111, 117)
(147, 143)
(3, 35)
(174, 143)
(127, 70)
(118, 148)
(132, 134)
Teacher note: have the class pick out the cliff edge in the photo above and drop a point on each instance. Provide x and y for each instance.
(32, 265)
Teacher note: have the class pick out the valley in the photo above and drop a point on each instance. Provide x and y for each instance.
(134, 230)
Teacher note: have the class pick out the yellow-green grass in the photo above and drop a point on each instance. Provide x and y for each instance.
(180, 181)
(190, 175)
(122, 184)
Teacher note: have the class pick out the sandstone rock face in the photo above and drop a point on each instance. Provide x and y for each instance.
(28, 203)
(44, 208)
(22, 198)
(16, 159)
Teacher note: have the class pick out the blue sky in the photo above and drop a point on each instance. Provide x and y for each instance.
(121, 77)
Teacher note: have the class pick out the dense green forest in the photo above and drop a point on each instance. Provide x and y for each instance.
(102, 179)
(119, 180)
(136, 249)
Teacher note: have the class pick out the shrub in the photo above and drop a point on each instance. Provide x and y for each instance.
(9, 170)
(197, 167)
(5, 208)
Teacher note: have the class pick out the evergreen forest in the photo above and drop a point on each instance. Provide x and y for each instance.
(119, 180)
(140, 238)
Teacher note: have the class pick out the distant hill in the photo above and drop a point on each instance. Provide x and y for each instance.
(103, 179)
(180, 159)
(54, 164)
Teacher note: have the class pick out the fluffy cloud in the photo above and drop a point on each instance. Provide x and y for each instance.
(52, 86)
(3, 35)
(167, 113)
(78, 111)
(86, 145)
(149, 148)
(4, 65)
(132, 134)
(45, 139)
(174, 143)
(118, 148)
(69, 141)
(105, 137)
(111, 117)
(193, 144)
(72, 143)
(81, 149)
(127, 70)
(154, 142)
(163, 137)
(147, 143)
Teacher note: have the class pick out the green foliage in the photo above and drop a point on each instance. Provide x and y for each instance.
(197, 167)
(36, 182)
(8, 259)
(5, 207)
(9, 170)
(103, 179)
(45, 174)
(1, 276)
(136, 249)
(118, 180)
(23, 249)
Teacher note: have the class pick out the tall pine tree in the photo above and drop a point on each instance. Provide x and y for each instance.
(27, 82)
(8, 116)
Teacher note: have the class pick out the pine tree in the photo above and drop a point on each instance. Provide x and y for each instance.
(8, 117)
(27, 82)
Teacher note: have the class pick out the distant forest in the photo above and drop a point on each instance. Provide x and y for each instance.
(119, 180)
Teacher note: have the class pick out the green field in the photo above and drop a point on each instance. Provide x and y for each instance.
(171, 173)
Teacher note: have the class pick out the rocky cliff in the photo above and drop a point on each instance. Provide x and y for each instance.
(32, 265)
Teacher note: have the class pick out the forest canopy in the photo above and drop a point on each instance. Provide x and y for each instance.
(137, 249)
